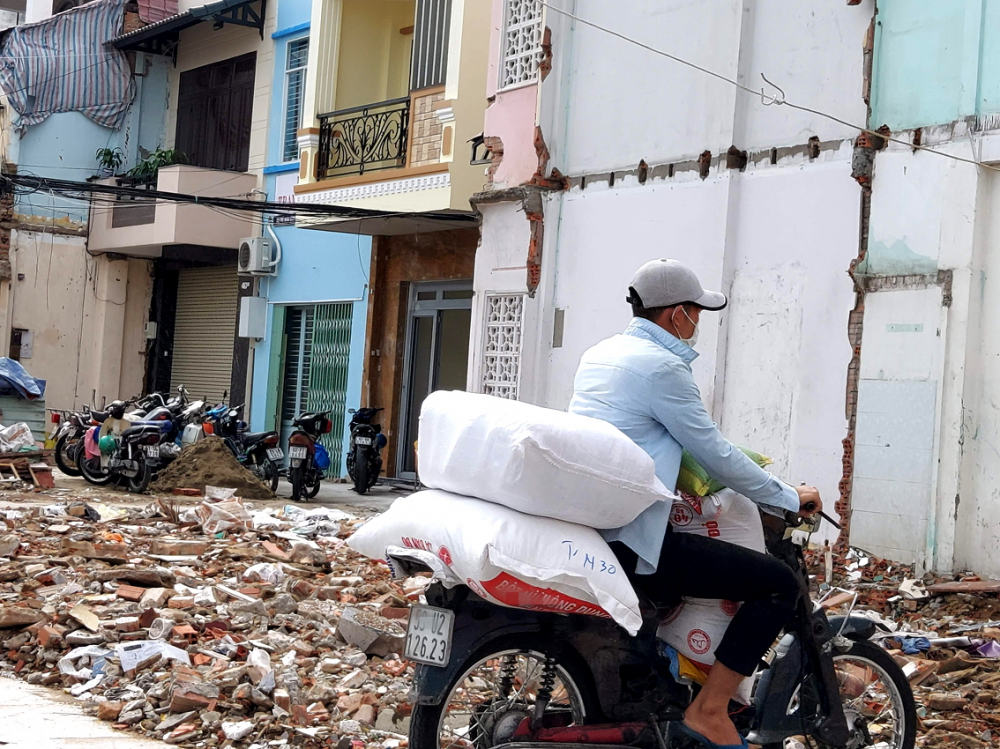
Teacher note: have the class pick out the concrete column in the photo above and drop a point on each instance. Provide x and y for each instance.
(103, 330)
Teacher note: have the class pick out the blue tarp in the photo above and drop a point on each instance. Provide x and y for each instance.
(15, 380)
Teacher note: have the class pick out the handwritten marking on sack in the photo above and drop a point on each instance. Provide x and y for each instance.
(699, 641)
(588, 562)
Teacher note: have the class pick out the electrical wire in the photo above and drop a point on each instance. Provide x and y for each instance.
(25, 184)
(775, 100)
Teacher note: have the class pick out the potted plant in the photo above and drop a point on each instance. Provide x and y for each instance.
(145, 171)
(110, 160)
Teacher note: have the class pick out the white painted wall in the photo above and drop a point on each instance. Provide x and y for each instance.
(773, 366)
(608, 103)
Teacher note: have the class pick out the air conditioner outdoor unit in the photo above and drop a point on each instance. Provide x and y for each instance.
(254, 256)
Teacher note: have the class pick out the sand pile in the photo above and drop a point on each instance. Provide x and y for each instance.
(209, 462)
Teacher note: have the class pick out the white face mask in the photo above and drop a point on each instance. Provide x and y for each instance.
(694, 333)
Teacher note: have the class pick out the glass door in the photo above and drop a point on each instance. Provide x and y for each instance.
(437, 355)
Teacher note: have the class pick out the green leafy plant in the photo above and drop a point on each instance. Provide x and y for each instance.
(149, 166)
(110, 159)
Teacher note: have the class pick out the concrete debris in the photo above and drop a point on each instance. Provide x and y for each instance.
(268, 631)
(944, 633)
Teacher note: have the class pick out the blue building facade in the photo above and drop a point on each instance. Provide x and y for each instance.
(311, 357)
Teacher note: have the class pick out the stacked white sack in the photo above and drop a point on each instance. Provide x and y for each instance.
(509, 558)
(535, 460)
(697, 626)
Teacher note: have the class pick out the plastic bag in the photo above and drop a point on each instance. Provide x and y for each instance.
(321, 457)
(216, 517)
(535, 460)
(15, 437)
(693, 479)
(696, 627)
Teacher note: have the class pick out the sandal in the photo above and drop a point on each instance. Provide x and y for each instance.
(680, 736)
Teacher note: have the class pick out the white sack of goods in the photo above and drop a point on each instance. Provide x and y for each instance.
(506, 557)
(695, 628)
(535, 460)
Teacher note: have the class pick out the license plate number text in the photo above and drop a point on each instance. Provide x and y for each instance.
(297, 452)
(428, 637)
(275, 453)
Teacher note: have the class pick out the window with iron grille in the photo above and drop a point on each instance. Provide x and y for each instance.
(502, 352)
(522, 42)
(295, 90)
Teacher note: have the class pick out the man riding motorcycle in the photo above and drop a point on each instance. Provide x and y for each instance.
(641, 382)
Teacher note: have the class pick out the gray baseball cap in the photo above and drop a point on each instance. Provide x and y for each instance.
(665, 283)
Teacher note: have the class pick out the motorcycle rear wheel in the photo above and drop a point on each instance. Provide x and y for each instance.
(361, 484)
(482, 709)
(66, 449)
(313, 489)
(269, 474)
(140, 482)
(296, 477)
(90, 469)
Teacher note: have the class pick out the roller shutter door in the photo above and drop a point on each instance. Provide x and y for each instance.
(204, 330)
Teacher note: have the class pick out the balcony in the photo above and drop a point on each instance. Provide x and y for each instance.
(363, 139)
(142, 228)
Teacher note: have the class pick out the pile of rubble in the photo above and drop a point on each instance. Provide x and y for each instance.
(214, 625)
(945, 633)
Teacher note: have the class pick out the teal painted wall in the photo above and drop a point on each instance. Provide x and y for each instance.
(935, 61)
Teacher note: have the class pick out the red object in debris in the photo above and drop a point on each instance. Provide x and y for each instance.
(187, 492)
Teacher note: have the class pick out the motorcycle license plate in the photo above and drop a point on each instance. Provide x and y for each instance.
(152, 451)
(297, 453)
(362, 440)
(428, 637)
(275, 454)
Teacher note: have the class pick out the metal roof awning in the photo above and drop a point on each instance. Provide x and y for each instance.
(161, 38)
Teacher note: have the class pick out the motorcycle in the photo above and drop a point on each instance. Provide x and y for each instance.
(74, 425)
(364, 462)
(258, 452)
(127, 453)
(69, 439)
(489, 676)
(307, 458)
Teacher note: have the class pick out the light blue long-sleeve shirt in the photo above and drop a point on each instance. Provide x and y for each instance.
(641, 382)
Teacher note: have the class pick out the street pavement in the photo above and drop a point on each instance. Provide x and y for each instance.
(331, 494)
(40, 718)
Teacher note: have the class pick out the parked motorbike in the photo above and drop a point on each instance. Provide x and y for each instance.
(74, 425)
(258, 452)
(127, 456)
(69, 438)
(489, 676)
(364, 459)
(307, 458)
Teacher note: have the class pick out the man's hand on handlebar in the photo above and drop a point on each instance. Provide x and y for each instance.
(809, 501)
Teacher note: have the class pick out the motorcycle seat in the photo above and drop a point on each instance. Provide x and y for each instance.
(308, 417)
(255, 437)
(140, 429)
(99, 416)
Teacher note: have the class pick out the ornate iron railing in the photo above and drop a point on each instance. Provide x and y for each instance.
(363, 139)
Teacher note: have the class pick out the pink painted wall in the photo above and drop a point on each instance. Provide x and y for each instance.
(510, 116)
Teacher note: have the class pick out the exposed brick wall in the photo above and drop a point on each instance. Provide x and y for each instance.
(6, 222)
(425, 137)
